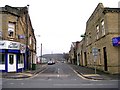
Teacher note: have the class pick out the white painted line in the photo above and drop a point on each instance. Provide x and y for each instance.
(49, 79)
(58, 75)
(22, 83)
(81, 84)
(79, 74)
(73, 79)
(72, 84)
(11, 83)
(91, 75)
(43, 70)
(36, 74)
(58, 70)
(32, 76)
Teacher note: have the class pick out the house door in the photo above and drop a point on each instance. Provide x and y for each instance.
(78, 59)
(11, 63)
(85, 57)
(105, 59)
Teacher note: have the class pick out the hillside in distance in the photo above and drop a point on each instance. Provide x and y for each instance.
(55, 56)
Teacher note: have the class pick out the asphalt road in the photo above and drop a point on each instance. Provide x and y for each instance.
(59, 75)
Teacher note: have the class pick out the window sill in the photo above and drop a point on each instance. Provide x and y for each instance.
(11, 38)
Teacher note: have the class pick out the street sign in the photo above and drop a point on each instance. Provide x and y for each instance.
(94, 51)
(95, 54)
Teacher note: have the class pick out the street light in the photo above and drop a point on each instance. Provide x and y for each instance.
(41, 53)
(37, 40)
(82, 36)
(40, 50)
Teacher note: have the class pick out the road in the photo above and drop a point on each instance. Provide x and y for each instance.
(59, 75)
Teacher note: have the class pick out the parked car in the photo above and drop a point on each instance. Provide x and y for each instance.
(53, 62)
(50, 62)
(62, 61)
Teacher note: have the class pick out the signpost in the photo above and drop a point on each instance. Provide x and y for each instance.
(95, 54)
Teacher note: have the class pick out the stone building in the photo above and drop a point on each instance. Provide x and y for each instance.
(102, 29)
(80, 58)
(74, 52)
(17, 39)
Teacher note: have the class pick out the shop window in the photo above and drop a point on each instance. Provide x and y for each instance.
(2, 58)
(11, 59)
(20, 58)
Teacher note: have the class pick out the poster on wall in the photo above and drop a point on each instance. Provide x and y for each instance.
(22, 48)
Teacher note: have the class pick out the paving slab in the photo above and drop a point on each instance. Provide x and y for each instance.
(89, 73)
(25, 74)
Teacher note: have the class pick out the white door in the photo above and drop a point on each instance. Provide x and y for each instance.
(11, 63)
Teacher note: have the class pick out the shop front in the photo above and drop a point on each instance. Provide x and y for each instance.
(12, 56)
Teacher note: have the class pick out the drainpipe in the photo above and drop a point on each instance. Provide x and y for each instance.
(26, 19)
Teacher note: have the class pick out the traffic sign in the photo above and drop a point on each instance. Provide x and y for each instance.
(94, 51)
(95, 54)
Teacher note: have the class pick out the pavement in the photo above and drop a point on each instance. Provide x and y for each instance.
(89, 73)
(24, 74)
(86, 72)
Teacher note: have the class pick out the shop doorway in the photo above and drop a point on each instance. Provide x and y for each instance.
(11, 63)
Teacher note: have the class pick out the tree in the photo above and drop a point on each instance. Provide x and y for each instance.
(66, 56)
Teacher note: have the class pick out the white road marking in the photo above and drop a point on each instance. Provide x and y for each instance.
(58, 70)
(80, 84)
(79, 74)
(58, 75)
(54, 75)
(91, 75)
(22, 83)
(50, 79)
(36, 74)
(11, 83)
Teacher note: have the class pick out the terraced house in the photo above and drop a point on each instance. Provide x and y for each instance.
(18, 42)
(103, 33)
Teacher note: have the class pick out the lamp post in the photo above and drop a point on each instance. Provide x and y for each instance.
(40, 49)
(41, 54)
(82, 36)
(37, 40)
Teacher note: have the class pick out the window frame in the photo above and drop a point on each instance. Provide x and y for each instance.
(97, 31)
(3, 58)
(103, 27)
(11, 60)
(20, 58)
(11, 29)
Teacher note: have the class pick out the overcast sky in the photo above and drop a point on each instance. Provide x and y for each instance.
(58, 22)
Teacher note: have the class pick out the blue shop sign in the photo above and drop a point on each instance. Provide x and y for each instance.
(21, 36)
(116, 41)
